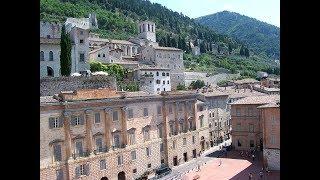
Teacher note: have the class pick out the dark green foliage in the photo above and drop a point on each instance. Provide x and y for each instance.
(114, 70)
(262, 38)
(131, 86)
(229, 48)
(181, 87)
(65, 55)
(197, 84)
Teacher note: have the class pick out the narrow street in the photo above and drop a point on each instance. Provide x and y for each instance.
(179, 171)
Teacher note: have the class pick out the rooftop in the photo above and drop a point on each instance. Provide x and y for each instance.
(270, 105)
(115, 41)
(98, 39)
(152, 68)
(258, 100)
(267, 89)
(166, 48)
(49, 40)
(244, 81)
(237, 93)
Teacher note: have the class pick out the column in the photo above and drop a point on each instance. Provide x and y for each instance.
(124, 125)
(107, 129)
(186, 115)
(66, 124)
(175, 107)
(89, 138)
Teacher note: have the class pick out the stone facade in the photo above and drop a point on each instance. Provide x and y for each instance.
(50, 86)
(146, 124)
(272, 158)
(147, 30)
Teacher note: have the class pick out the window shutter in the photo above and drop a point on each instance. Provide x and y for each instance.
(60, 122)
(81, 120)
(77, 171)
(87, 169)
(51, 122)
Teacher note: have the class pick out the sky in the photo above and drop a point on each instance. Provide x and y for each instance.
(264, 10)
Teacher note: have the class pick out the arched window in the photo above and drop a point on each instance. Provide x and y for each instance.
(41, 56)
(157, 73)
(148, 27)
(50, 71)
(152, 28)
(50, 56)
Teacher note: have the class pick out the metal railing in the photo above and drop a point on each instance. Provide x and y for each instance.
(81, 154)
(101, 150)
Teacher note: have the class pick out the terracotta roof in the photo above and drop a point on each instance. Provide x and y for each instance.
(233, 93)
(270, 105)
(47, 99)
(166, 48)
(49, 41)
(258, 99)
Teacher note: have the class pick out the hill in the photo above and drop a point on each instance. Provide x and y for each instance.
(261, 38)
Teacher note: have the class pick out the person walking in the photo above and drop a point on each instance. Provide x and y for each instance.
(220, 161)
(261, 174)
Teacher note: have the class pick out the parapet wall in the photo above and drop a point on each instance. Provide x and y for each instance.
(54, 85)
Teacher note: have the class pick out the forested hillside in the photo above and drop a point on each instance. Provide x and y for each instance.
(261, 38)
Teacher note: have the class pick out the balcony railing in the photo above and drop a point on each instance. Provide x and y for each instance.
(114, 147)
(101, 150)
(80, 154)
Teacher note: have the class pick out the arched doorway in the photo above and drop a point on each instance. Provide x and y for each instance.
(121, 175)
(50, 71)
(104, 178)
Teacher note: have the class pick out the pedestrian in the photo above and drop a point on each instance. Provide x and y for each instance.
(253, 157)
(220, 162)
(261, 174)
(250, 176)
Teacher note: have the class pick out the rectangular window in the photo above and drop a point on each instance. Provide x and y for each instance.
(201, 121)
(103, 164)
(81, 58)
(57, 152)
(251, 143)
(184, 141)
(130, 113)
(82, 169)
(134, 171)
(99, 144)
(174, 144)
(97, 118)
(133, 155)
(116, 140)
(59, 174)
(145, 112)
(159, 110)
(120, 160)
(251, 128)
(132, 138)
(167, 74)
(77, 120)
(55, 122)
(193, 139)
(161, 147)
(272, 139)
(79, 149)
(163, 82)
(168, 82)
(115, 116)
(160, 131)
(146, 134)
(149, 165)
(81, 41)
(148, 150)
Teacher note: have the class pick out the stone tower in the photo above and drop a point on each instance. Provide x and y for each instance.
(147, 30)
(93, 22)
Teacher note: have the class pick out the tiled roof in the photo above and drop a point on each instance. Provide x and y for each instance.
(47, 99)
(98, 39)
(270, 105)
(115, 41)
(166, 48)
(49, 41)
(258, 99)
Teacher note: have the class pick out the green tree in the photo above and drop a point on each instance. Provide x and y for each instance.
(65, 55)
(242, 51)
(229, 48)
(246, 52)
(181, 87)
(197, 84)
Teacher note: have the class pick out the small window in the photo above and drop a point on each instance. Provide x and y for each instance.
(55, 122)
(57, 152)
(134, 171)
(145, 112)
(77, 120)
(115, 116)
(158, 89)
(48, 36)
(50, 56)
(81, 41)
(193, 139)
(120, 160)
(103, 164)
(163, 82)
(133, 155)
(158, 81)
(174, 144)
(159, 110)
(168, 82)
(130, 113)
(97, 118)
(168, 73)
(149, 165)
(251, 143)
(157, 73)
(163, 74)
(148, 150)
(184, 141)
(103, 55)
(81, 32)
(239, 143)
(81, 58)
(238, 112)
(161, 147)
(251, 128)
(99, 55)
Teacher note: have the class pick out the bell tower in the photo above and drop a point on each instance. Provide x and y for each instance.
(147, 30)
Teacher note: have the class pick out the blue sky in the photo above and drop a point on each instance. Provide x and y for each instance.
(263, 10)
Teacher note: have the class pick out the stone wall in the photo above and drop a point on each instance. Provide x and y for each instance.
(272, 157)
(50, 86)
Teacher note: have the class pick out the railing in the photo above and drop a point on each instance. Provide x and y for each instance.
(101, 150)
(80, 154)
(119, 146)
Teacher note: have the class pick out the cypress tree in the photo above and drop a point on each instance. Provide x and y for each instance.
(65, 55)
(241, 51)
(247, 52)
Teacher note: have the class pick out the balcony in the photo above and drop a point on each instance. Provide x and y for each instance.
(101, 150)
(115, 147)
(81, 154)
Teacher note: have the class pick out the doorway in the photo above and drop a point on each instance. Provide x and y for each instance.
(104, 178)
(175, 160)
(50, 72)
(194, 153)
(121, 175)
(185, 157)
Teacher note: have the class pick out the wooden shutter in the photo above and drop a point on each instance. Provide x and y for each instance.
(77, 171)
(81, 120)
(87, 169)
(51, 122)
(60, 122)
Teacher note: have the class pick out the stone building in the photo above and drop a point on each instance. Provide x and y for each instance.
(270, 117)
(166, 57)
(153, 79)
(246, 121)
(50, 34)
(91, 134)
